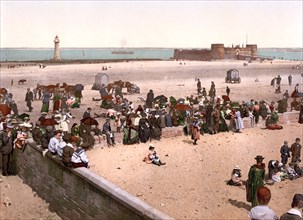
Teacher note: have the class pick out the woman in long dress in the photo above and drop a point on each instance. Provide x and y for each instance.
(238, 120)
(255, 180)
(301, 113)
(195, 129)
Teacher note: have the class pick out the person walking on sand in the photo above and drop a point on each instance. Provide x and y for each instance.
(149, 99)
(284, 151)
(289, 79)
(296, 151)
(195, 129)
(199, 87)
(29, 98)
(256, 176)
(227, 90)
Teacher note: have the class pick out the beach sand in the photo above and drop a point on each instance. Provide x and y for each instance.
(192, 184)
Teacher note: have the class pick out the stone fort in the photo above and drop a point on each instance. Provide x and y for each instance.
(218, 52)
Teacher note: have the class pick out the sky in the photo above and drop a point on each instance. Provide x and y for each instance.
(168, 24)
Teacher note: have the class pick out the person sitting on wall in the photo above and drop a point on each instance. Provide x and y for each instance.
(54, 143)
(68, 150)
(79, 158)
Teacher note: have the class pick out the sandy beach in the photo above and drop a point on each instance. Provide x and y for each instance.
(192, 184)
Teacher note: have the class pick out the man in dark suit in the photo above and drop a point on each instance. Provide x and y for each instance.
(29, 97)
(110, 138)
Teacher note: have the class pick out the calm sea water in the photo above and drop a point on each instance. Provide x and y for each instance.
(33, 54)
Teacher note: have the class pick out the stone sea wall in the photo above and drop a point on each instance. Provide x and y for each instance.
(78, 193)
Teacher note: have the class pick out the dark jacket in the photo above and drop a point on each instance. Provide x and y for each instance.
(7, 144)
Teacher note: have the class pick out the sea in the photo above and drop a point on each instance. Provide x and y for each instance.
(45, 54)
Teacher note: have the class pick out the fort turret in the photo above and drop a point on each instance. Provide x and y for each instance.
(57, 49)
(254, 49)
(217, 51)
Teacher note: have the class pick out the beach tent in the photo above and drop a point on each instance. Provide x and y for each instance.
(100, 79)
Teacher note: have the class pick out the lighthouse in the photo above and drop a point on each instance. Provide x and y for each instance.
(57, 49)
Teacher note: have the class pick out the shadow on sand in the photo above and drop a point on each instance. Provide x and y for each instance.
(188, 141)
(239, 204)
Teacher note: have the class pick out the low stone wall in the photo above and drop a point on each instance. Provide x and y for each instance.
(285, 118)
(78, 193)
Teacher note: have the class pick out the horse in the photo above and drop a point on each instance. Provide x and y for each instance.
(49, 88)
(112, 85)
(69, 89)
(21, 81)
(121, 84)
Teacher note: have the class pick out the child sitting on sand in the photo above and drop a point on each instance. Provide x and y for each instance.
(236, 178)
(152, 157)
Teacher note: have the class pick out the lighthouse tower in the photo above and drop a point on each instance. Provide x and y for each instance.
(57, 49)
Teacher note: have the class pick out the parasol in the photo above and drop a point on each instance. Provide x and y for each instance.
(225, 98)
(79, 87)
(89, 121)
(107, 97)
(5, 109)
(160, 99)
(23, 115)
(48, 122)
(182, 107)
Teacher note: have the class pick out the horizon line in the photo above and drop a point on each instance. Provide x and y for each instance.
(126, 48)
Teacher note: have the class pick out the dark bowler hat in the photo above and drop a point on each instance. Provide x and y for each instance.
(151, 147)
(259, 157)
(85, 145)
(57, 132)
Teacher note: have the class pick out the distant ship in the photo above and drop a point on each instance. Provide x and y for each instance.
(122, 52)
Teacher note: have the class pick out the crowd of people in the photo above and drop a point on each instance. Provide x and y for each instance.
(259, 195)
(206, 113)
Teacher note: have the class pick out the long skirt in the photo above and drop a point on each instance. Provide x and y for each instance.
(45, 107)
(56, 106)
(130, 136)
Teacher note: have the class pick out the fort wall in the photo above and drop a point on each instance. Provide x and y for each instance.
(217, 52)
(204, 55)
